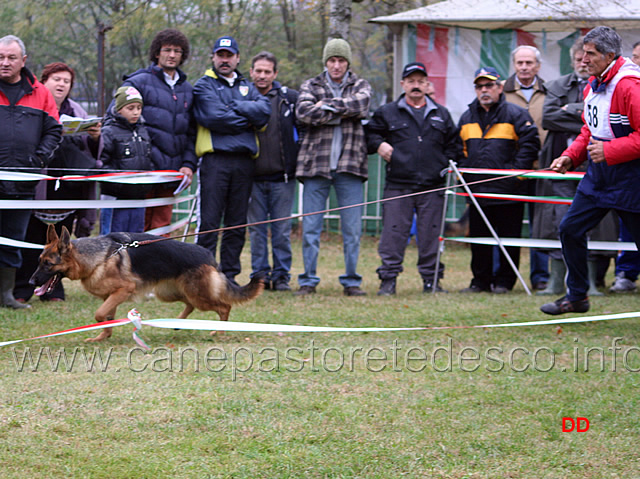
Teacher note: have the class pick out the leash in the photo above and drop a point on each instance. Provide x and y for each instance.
(136, 244)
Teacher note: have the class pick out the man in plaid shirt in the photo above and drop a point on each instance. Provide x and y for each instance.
(333, 153)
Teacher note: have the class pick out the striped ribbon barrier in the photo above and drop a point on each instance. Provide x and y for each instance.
(210, 325)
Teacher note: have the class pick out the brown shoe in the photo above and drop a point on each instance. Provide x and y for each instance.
(354, 291)
(305, 291)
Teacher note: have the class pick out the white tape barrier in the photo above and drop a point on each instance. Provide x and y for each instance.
(209, 325)
(545, 244)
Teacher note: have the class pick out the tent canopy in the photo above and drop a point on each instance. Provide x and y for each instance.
(527, 15)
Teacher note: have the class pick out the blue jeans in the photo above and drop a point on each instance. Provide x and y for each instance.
(271, 200)
(13, 225)
(627, 262)
(349, 191)
(127, 220)
(583, 215)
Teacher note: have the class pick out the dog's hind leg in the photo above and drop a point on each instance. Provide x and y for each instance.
(223, 312)
(107, 312)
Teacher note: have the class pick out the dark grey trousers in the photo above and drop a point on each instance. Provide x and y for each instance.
(397, 219)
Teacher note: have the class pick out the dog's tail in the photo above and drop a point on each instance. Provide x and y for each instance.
(240, 294)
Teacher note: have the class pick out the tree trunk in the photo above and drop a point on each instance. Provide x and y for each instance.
(339, 18)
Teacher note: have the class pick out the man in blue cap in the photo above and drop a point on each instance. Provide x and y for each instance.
(497, 135)
(229, 112)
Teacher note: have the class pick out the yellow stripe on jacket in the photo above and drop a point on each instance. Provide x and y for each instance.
(498, 131)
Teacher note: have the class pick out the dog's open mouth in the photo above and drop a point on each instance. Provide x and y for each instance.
(48, 286)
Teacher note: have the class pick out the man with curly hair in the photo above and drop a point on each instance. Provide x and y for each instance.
(168, 99)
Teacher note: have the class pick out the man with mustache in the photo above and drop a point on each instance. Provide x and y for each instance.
(416, 137)
(610, 141)
(497, 135)
(229, 111)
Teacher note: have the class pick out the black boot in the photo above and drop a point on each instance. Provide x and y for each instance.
(387, 287)
(7, 283)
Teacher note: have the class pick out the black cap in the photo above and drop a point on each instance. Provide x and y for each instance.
(410, 68)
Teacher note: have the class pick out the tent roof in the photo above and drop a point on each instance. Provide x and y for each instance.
(528, 15)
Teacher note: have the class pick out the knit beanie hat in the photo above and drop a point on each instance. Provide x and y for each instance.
(126, 95)
(336, 48)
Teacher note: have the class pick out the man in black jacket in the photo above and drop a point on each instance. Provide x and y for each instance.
(496, 135)
(29, 134)
(274, 177)
(417, 138)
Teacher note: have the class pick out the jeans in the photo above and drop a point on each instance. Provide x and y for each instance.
(105, 216)
(271, 200)
(13, 225)
(349, 191)
(127, 220)
(583, 215)
(627, 262)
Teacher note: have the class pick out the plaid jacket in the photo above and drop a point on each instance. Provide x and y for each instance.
(315, 151)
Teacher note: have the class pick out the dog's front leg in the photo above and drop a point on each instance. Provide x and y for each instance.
(107, 312)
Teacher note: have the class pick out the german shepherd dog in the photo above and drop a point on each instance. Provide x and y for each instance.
(110, 270)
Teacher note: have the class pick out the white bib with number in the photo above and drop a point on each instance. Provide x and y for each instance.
(597, 106)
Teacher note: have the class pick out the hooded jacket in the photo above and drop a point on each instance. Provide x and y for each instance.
(29, 133)
(228, 116)
(168, 117)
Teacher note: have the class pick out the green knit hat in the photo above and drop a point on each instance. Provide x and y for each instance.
(336, 48)
(126, 95)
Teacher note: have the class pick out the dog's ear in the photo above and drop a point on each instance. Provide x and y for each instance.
(65, 240)
(52, 236)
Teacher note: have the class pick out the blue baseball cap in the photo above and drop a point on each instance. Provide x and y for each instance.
(226, 43)
(489, 73)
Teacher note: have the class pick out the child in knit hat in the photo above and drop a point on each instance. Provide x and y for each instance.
(127, 147)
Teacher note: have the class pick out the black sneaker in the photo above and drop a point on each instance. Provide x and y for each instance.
(280, 285)
(500, 290)
(387, 287)
(474, 289)
(427, 287)
(563, 305)
(354, 291)
(305, 291)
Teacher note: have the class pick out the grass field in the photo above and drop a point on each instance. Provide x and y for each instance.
(457, 403)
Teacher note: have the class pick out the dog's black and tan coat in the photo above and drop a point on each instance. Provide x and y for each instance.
(173, 270)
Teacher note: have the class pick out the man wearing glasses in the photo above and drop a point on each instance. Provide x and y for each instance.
(168, 98)
(498, 135)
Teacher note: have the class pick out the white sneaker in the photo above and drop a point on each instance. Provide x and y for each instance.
(622, 285)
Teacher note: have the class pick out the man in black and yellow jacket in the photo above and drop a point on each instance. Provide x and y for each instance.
(497, 135)
(229, 112)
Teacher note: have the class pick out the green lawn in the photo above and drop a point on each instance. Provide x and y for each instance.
(457, 403)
